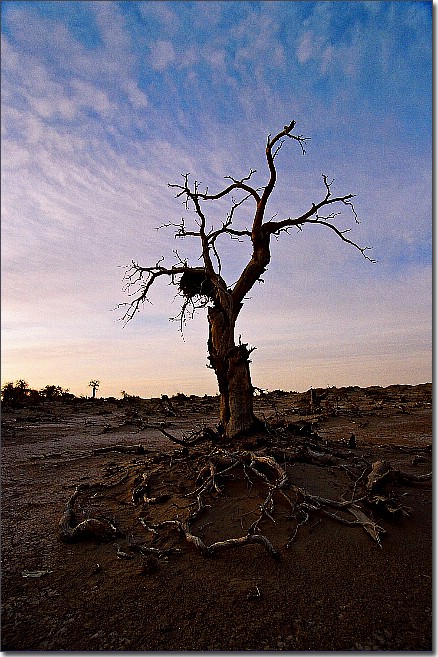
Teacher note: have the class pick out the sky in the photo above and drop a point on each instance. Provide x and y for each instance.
(106, 103)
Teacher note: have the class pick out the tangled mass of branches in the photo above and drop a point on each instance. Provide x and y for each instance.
(260, 481)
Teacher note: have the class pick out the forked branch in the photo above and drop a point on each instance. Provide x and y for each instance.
(139, 280)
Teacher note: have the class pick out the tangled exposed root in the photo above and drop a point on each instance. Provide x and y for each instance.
(216, 468)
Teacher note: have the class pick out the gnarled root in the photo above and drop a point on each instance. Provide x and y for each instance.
(70, 532)
(372, 528)
(217, 467)
(210, 550)
(382, 472)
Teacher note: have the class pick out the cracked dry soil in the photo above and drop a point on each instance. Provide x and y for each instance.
(334, 588)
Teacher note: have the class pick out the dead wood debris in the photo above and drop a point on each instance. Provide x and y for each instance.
(210, 550)
(227, 461)
(147, 550)
(194, 438)
(367, 492)
(125, 449)
(141, 493)
(262, 466)
(70, 530)
(382, 472)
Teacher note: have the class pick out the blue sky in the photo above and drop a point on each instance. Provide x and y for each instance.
(104, 104)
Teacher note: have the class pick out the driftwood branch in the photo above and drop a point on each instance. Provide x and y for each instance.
(71, 531)
(382, 472)
(195, 438)
(210, 550)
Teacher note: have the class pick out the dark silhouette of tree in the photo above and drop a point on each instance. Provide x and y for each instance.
(8, 392)
(22, 394)
(19, 394)
(52, 392)
(204, 286)
(94, 385)
(23, 386)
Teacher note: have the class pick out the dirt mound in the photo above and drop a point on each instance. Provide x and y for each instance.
(293, 539)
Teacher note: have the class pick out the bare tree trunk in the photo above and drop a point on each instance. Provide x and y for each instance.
(240, 392)
(231, 365)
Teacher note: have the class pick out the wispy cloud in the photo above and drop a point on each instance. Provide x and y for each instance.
(162, 54)
(96, 121)
(162, 14)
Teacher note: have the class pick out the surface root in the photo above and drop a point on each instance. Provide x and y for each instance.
(261, 469)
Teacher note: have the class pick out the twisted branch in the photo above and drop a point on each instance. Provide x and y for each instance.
(140, 279)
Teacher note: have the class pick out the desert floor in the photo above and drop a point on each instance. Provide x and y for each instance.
(333, 587)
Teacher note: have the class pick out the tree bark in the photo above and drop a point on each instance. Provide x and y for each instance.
(230, 361)
(231, 365)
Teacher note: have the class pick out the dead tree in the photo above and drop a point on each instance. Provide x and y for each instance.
(204, 286)
(94, 385)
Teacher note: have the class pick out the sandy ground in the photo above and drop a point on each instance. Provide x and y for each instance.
(333, 588)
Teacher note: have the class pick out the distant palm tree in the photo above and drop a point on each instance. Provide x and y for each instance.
(94, 384)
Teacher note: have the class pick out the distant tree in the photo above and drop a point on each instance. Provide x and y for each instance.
(52, 392)
(23, 386)
(19, 394)
(8, 392)
(204, 286)
(94, 385)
